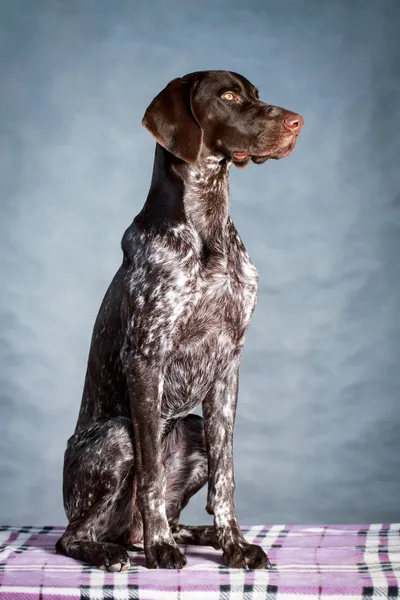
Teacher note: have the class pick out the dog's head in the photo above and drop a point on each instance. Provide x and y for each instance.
(219, 113)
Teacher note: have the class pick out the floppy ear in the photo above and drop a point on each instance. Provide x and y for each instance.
(170, 119)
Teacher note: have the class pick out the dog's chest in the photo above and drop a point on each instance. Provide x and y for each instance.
(213, 330)
(225, 297)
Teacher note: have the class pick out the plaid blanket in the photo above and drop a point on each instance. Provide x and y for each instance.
(361, 562)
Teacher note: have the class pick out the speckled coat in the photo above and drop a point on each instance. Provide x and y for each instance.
(168, 337)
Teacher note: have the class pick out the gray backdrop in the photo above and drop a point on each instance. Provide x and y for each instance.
(317, 435)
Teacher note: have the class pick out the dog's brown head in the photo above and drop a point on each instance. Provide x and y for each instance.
(219, 113)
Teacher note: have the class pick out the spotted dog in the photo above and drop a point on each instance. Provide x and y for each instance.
(168, 337)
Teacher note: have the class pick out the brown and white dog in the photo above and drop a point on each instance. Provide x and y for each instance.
(169, 336)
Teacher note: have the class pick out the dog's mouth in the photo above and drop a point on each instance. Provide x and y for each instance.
(243, 157)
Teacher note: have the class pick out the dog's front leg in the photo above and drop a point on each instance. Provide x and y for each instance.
(219, 410)
(145, 382)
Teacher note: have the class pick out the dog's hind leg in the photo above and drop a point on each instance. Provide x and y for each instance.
(98, 491)
(186, 469)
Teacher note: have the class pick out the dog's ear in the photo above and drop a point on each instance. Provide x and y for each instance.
(171, 120)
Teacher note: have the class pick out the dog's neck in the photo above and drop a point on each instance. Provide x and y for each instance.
(197, 193)
(206, 199)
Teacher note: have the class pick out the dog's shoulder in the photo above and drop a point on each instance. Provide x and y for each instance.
(172, 245)
(160, 267)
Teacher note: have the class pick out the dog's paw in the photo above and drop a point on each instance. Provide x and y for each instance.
(112, 557)
(245, 556)
(164, 555)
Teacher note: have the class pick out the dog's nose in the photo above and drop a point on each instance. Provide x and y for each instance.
(294, 122)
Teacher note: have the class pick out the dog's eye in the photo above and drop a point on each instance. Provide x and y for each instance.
(231, 96)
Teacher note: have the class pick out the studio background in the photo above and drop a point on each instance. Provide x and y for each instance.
(317, 431)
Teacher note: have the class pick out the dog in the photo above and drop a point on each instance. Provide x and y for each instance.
(169, 336)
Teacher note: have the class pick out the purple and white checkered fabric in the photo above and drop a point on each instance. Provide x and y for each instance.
(358, 562)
